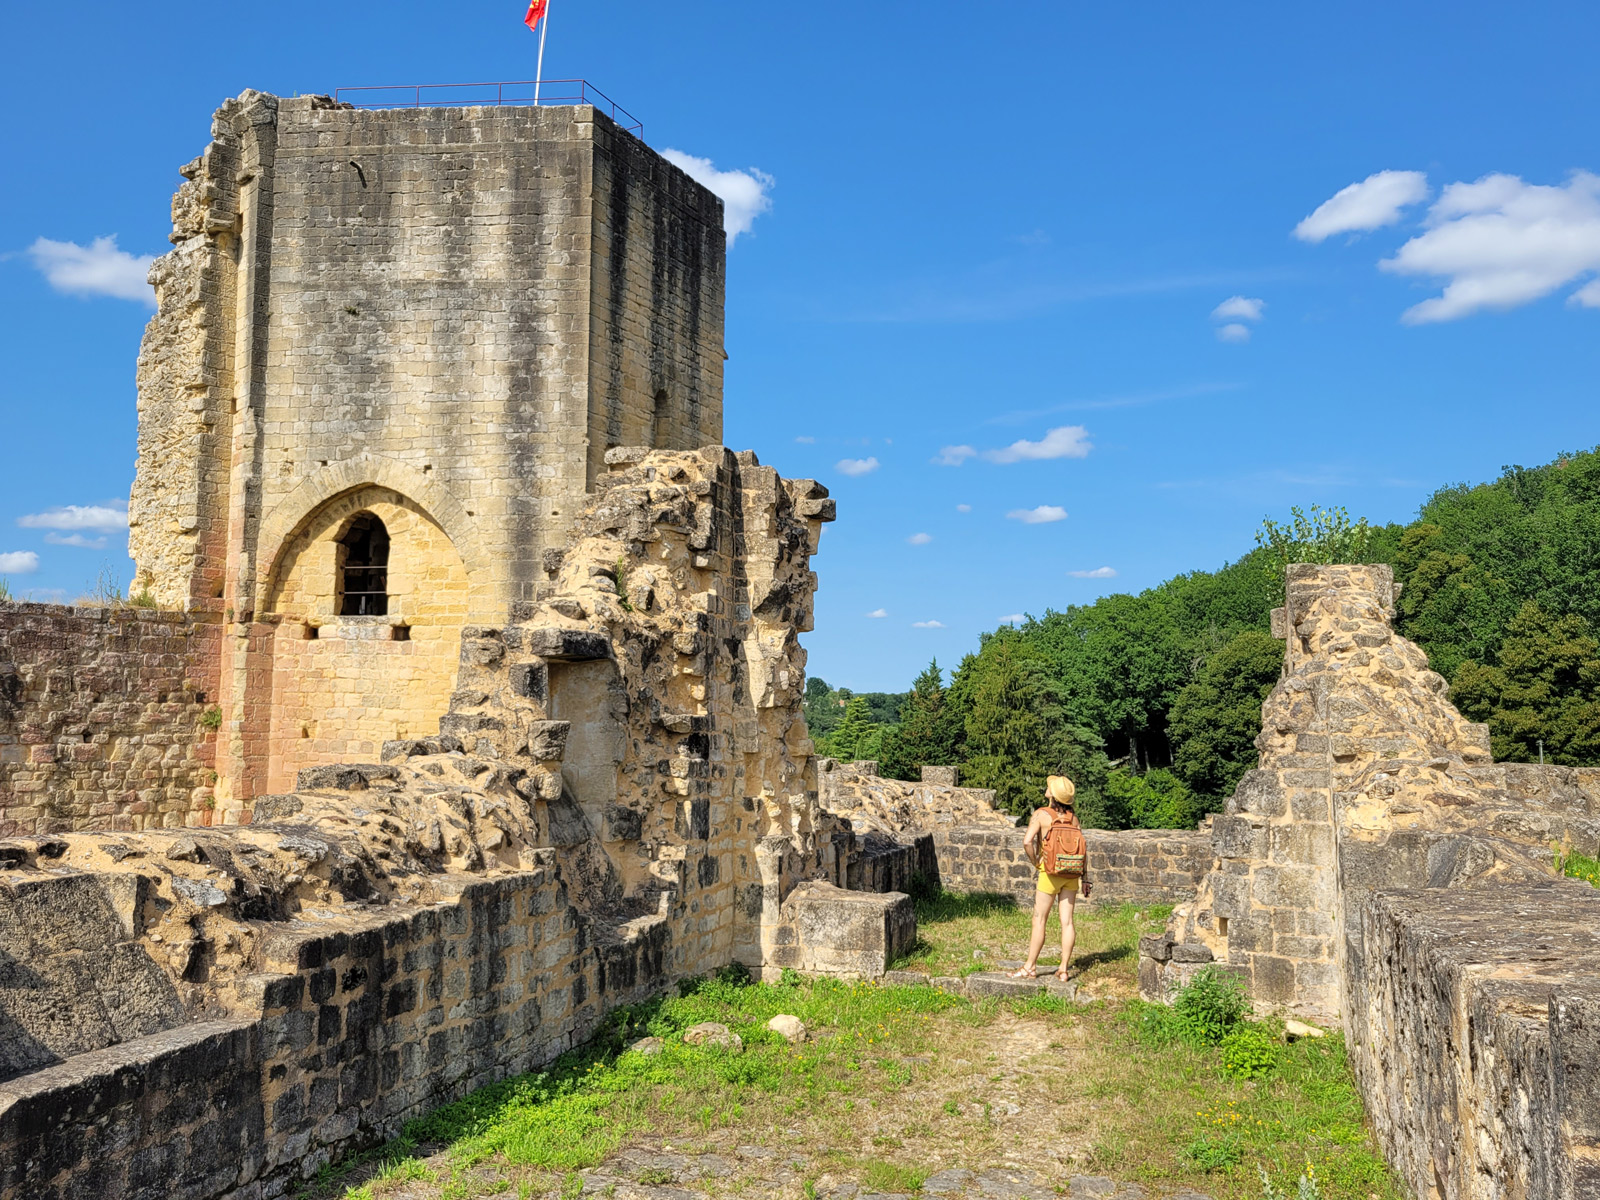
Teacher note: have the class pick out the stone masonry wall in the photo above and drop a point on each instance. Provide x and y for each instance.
(1379, 871)
(1128, 866)
(102, 719)
(1475, 1035)
(356, 1022)
(457, 311)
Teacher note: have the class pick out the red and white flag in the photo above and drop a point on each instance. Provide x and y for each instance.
(535, 12)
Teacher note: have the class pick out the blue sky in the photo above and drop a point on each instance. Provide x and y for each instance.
(1060, 237)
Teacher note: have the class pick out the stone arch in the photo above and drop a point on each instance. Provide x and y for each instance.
(291, 515)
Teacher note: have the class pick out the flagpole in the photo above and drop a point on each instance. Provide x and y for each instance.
(538, 76)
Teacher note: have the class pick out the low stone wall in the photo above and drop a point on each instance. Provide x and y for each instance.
(873, 803)
(884, 864)
(1134, 866)
(1474, 1030)
(102, 719)
(365, 1021)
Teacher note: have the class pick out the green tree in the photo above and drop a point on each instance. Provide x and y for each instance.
(926, 734)
(1016, 728)
(1324, 535)
(1216, 717)
(1158, 799)
(856, 736)
(1545, 688)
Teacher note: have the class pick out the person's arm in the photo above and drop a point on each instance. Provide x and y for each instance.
(1030, 842)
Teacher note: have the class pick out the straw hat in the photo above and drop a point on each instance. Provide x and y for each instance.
(1060, 790)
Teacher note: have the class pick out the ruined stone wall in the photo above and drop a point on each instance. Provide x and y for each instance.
(621, 795)
(455, 310)
(894, 806)
(977, 848)
(350, 1021)
(1378, 870)
(1369, 778)
(102, 719)
(1475, 1036)
(1126, 866)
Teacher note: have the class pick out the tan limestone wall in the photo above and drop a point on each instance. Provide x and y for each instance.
(343, 692)
(465, 306)
(103, 719)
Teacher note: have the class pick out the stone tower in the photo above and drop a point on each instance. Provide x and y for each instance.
(390, 352)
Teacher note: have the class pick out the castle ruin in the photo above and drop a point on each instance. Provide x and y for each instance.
(471, 710)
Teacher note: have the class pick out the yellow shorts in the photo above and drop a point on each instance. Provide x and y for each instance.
(1054, 885)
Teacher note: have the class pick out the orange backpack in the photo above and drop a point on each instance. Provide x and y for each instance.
(1065, 852)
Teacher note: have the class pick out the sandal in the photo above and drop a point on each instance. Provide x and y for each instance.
(1063, 975)
(1023, 973)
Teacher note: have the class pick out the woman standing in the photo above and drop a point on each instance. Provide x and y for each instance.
(1054, 843)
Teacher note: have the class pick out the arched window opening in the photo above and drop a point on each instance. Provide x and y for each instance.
(364, 571)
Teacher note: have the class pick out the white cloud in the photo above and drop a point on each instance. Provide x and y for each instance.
(1501, 243)
(920, 539)
(1066, 441)
(963, 508)
(18, 562)
(1043, 515)
(76, 539)
(806, 440)
(744, 193)
(1239, 308)
(856, 466)
(78, 516)
(927, 624)
(1371, 204)
(98, 269)
(876, 613)
(1097, 573)
(953, 456)
(1234, 333)
(1014, 619)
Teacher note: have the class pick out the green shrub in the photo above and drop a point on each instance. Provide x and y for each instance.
(1206, 1010)
(1213, 1151)
(1250, 1052)
(211, 718)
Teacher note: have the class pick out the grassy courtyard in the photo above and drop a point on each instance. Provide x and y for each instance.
(899, 1090)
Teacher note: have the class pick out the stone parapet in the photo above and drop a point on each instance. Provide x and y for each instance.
(103, 719)
(358, 1022)
(1474, 1031)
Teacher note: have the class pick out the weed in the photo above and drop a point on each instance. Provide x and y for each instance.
(104, 592)
(809, 1188)
(211, 718)
(1581, 866)
(1249, 1052)
(143, 598)
(5, 590)
(1209, 1006)
(655, 1175)
(1212, 1152)
(880, 1176)
(622, 585)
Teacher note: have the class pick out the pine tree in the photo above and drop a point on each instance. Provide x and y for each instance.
(855, 734)
(926, 735)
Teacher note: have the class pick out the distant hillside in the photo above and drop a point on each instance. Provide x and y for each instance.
(1151, 702)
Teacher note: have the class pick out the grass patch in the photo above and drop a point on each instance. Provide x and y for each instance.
(898, 1082)
(959, 934)
(1581, 866)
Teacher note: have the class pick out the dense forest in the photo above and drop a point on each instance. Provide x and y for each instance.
(1152, 703)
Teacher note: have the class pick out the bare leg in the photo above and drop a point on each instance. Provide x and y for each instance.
(1042, 903)
(1069, 930)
